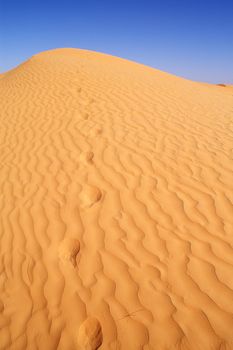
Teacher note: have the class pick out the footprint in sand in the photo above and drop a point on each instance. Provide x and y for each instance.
(86, 157)
(85, 116)
(69, 249)
(90, 335)
(96, 131)
(89, 196)
(87, 102)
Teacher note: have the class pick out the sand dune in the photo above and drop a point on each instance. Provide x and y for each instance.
(116, 199)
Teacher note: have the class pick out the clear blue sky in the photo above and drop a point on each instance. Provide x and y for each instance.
(189, 38)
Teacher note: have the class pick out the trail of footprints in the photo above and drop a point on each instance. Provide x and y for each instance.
(90, 335)
(90, 332)
(111, 209)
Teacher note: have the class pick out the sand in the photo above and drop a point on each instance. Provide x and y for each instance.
(116, 196)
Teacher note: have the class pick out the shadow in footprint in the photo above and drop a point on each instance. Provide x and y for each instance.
(87, 157)
(89, 196)
(96, 131)
(90, 335)
(69, 249)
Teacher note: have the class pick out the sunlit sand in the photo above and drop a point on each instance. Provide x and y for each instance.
(116, 196)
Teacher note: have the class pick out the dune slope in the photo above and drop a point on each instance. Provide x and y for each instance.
(116, 194)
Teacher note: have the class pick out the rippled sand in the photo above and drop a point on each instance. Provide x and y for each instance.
(116, 191)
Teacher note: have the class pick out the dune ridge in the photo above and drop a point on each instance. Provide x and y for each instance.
(116, 197)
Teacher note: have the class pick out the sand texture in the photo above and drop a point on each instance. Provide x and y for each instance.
(116, 192)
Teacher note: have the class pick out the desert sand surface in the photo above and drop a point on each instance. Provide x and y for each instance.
(116, 197)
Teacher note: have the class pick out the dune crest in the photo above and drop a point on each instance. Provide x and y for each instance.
(116, 201)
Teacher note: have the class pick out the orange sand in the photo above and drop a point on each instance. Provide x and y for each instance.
(116, 207)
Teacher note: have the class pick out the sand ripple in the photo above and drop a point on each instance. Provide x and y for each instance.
(116, 192)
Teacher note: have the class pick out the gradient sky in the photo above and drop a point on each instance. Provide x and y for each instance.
(192, 38)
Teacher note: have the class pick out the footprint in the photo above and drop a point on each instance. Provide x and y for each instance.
(96, 131)
(69, 249)
(86, 157)
(90, 335)
(119, 215)
(87, 101)
(90, 195)
(85, 116)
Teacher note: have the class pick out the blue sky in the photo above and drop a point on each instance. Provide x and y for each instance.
(191, 38)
